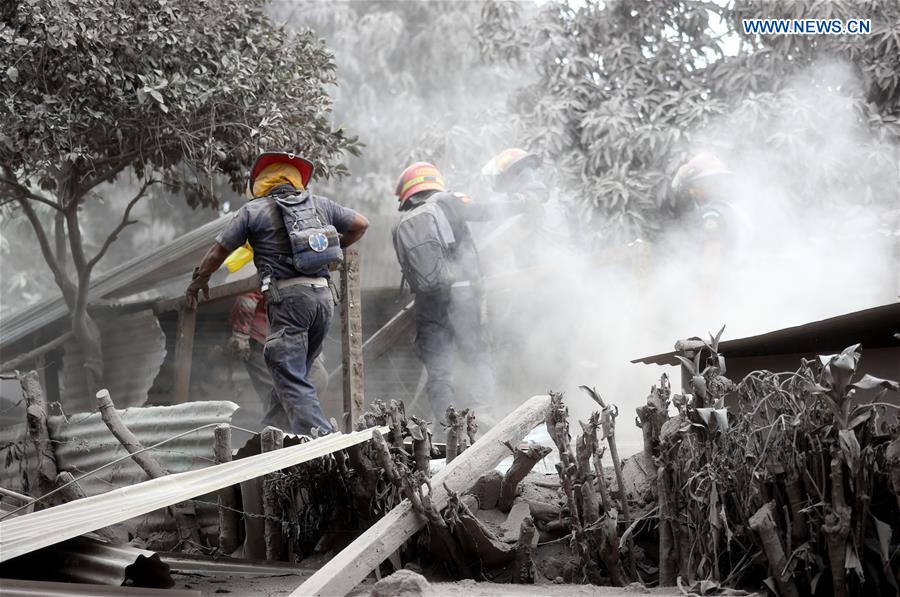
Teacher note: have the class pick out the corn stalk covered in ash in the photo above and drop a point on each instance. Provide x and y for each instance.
(791, 487)
(324, 500)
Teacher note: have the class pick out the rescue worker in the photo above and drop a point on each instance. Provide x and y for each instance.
(294, 235)
(703, 181)
(439, 261)
(549, 231)
(249, 327)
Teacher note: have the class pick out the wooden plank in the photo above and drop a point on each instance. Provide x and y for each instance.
(23, 534)
(348, 568)
(216, 294)
(184, 353)
(351, 338)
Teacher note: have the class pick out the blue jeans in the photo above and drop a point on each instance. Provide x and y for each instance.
(298, 327)
(446, 321)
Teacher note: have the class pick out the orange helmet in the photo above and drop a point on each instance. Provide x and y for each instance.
(419, 177)
(505, 165)
(703, 165)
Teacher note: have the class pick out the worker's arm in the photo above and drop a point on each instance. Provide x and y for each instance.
(472, 211)
(212, 261)
(355, 231)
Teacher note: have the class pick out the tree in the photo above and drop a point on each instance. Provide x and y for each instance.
(625, 87)
(413, 86)
(179, 92)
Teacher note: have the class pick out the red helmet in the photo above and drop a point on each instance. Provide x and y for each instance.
(304, 166)
(418, 177)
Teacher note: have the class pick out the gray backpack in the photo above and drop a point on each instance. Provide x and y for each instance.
(424, 241)
(313, 244)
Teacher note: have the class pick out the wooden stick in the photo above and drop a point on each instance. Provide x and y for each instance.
(523, 573)
(351, 338)
(227, 497)
(38, 433)
(184, 353)
(763, 523)
(453, 426)
(353, 564)
(272, 439)
(185, 519)
(523, 462)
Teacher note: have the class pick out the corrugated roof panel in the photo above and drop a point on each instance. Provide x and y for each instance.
(83, 443)
(134, 348)
(172, 259)
(874, 328)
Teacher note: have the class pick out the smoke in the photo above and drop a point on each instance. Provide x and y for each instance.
(813, 195)
(813, 234)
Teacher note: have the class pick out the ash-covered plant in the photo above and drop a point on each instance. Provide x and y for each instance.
(802, 448)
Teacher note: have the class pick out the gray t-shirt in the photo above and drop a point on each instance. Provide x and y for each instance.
(259, 221)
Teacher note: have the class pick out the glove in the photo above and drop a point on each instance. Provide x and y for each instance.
(239, 345)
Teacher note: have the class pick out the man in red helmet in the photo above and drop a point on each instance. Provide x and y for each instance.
(440, 262)
(295, 236)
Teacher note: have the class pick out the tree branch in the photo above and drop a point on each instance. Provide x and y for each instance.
(62, 281)
(122, 225)
(23, 193)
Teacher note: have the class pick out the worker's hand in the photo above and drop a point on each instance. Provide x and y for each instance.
(239, 345)
(199, 283)
(193, 292)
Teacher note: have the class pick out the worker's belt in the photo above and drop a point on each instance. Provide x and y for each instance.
(319, 282)
(461, 284)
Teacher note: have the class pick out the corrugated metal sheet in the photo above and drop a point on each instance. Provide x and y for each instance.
(83, 443)
(88, 560)
(874, 328)
(37, 588)
(134, 347)
(143, 272)
(23, 534)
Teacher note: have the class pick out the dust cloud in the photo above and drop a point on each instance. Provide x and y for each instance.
(813, 235)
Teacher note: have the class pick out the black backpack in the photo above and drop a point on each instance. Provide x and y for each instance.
(313, 245)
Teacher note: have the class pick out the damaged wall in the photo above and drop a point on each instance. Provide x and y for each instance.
(134, 347)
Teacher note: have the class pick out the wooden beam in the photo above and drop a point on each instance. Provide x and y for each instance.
(351, 339)
(16, 363)
(184, 353)
(348, 568)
